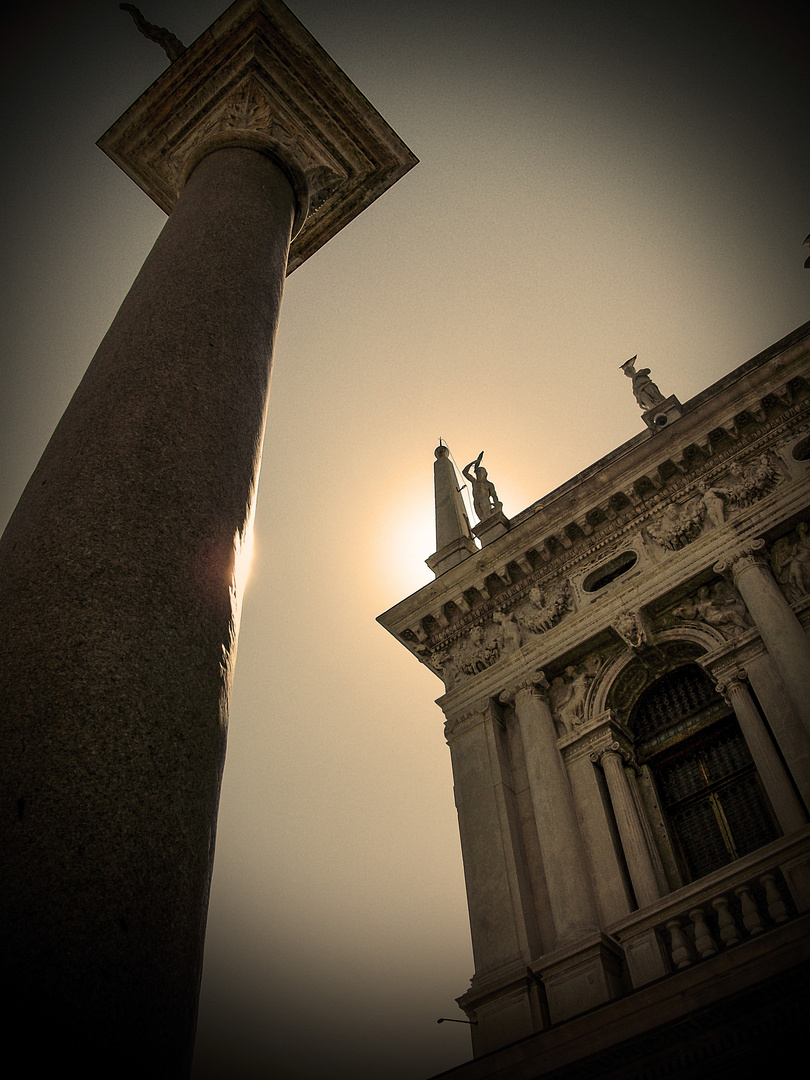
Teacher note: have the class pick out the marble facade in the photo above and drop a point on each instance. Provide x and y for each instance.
(682, 555)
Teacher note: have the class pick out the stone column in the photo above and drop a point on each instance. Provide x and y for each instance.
(569, 886)
(119, 570)
(634, 843)
(501, 999)
(784, 800)
(119, 627)
(781, 632)
(788, 731)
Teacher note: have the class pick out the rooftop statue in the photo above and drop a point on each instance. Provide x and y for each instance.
(646, 392)
(485, 497)
(171, 45)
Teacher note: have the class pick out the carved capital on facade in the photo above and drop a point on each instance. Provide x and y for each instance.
(454, 726)
(732, 565)
(618, 749)
(258, 79)
(533, 685)
(730, 683)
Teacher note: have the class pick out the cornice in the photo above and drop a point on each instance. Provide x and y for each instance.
(501, 576)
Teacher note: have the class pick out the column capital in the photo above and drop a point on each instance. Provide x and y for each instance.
(534, 684)
(730, 683)
(258, 79)
(752, 554)
(613, 749)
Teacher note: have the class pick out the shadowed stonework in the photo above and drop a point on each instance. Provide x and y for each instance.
(121, 589)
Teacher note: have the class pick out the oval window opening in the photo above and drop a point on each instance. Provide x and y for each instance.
(801, 451)
(609, 571)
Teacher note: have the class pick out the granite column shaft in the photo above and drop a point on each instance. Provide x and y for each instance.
(120, 615)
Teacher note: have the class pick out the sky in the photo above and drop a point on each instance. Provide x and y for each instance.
(596, 181)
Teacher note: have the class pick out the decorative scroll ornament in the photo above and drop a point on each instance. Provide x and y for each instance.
(731, 682)
(719, 607)
(542, 611)
(790, 562)
(678, 525)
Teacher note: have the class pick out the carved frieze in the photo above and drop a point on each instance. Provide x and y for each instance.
(679, 524)
(790, 562)
(744, 484)
(543, 610)
(717, 606)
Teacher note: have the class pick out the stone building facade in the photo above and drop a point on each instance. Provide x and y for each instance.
(627, 700)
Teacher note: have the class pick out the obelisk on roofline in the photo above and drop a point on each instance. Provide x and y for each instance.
(120, 594)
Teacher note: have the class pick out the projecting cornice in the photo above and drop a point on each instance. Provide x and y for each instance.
(650, 522)
(258, 79)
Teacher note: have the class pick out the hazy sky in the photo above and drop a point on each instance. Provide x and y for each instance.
(597, 180)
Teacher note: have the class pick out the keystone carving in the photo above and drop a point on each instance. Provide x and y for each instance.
(631, 629)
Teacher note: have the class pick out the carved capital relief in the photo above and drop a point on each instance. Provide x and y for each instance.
(730, 683)
(457, 726)
(534, 684)
(614, 747)
(602, 734)
(752, 554)
(262, 82)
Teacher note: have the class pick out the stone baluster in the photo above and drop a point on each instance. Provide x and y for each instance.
(704, 942)
(729, 934)
(752, 920)
(781, 632)
(681, 952)
(777, 909)
(570, 891)
(786, 804)
(634, 842)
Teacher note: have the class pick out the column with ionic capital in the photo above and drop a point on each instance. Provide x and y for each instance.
(634, 842)
(780, 630)
(570, 889)
(784, 800)
(120, 569)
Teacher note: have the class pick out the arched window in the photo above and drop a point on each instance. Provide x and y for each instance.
(709, 790)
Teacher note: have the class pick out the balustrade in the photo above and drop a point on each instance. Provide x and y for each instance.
(732, 906)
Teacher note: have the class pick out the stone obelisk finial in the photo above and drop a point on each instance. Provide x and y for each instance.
(454, 540)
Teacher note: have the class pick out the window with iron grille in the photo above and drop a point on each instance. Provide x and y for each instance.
(708, 787)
